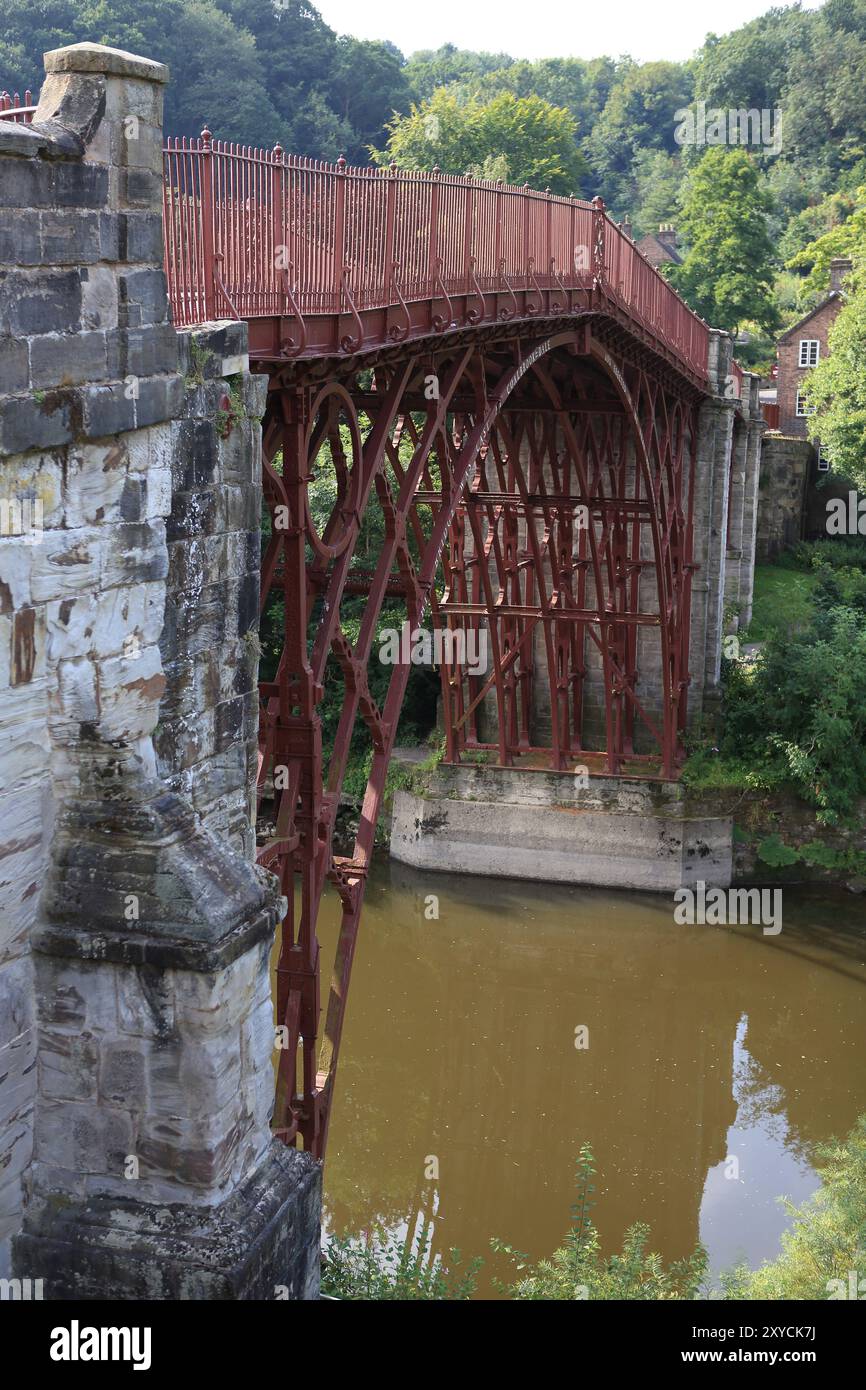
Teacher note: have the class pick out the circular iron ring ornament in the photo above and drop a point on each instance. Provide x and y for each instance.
(350, 480)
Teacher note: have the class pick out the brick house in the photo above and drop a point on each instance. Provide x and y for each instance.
(660, 248)
(802, 346)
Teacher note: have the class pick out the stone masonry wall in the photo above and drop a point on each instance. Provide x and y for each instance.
(136, 1025)
(785, 467)
(88, 379)
(206, 738)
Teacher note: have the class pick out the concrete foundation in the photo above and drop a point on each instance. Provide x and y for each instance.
(552, 827)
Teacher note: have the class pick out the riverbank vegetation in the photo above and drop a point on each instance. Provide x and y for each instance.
(823, 1254)
(793, 715)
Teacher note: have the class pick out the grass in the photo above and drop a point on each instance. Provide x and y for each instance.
(781, 601)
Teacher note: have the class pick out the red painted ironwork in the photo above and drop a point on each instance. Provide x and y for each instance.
(502, 379)
(13, 108)
(301, 248)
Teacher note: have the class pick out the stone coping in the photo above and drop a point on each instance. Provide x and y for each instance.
(96, 57)
(165, 952)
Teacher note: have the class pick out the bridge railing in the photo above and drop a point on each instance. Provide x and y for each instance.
(252, 232)
(13, 108)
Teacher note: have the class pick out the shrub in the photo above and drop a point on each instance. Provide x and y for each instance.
(579, 1270)
(379, 1268)
(827, 1241)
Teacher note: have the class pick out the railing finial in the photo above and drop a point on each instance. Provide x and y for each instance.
(206, 137)
(341, 163)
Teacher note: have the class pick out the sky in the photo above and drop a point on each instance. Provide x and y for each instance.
(645, 29)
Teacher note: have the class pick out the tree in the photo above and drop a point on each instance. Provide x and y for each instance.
(844, 238)
(836, 390)
(638, 115)
(727, 274)
(581, 87)
(535, 138)
(368, 87)
(216, 73)
(657, 178)
(431, 68)
(750, 67)
(825, 104)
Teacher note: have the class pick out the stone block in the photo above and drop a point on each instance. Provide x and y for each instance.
(67, 359)
(99, 304)
(70, 238)
(20, 242)
(135, 553)
(41, 421)
(260, 1243)
(83, 1137)
(159, 398)
(123, 1068)
(107, 410)
(65, 563)
(14, 368)
(144, 291)
(43, 301)
(78, 185)
(67, 1065)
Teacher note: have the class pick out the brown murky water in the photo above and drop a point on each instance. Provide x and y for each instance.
(705, 1044)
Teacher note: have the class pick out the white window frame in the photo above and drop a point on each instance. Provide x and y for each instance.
(810, 352)
(802, 410)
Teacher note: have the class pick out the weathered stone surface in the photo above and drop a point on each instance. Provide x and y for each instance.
(554, 828)
(262, 1243)
(150, 935)
(96, 57)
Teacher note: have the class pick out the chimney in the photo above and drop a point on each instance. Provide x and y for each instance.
(627, 228)
(840, 266)
(667, 234)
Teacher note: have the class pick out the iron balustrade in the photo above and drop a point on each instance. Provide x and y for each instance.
(253, 233)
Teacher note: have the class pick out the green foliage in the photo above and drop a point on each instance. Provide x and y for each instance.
(254, 71)
(827, 1240)
(378, 1268)
(578, 1269)
(781, 600)
(750, 66)
(441, 67)
(531, 139)
(794, 717)
(637, 116)
(846, 236)
(836, 390)
(774, 852)
(803, 244)
(843, 552)
(798, 713)
(581, 87)
(727, 273)
(657, 178)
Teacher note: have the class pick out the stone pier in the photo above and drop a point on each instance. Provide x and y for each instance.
(136, 1023)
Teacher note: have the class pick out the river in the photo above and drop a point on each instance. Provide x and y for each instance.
(717, 1060)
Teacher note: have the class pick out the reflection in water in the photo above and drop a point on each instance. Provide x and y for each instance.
(741, 1216)
(704, 1043)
